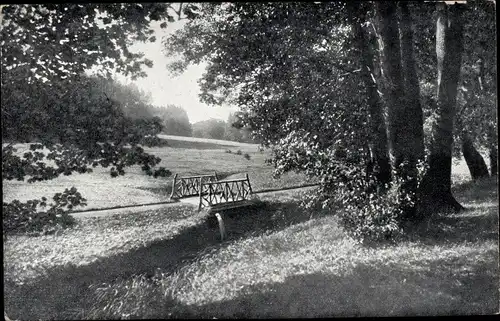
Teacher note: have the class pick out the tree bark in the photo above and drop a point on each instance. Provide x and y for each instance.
(493, 147)
(401, 140)
(379, 155)
(473, 158)
(436, 184)
(411, 82)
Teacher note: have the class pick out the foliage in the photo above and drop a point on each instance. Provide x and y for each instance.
(134, 102)
(299, 94)
(477, 113)
(236, 131)
(95, 132)
(48, 100)
(246, 156)
(277, 82)
(211, 128)
(175, 120)
(60, 41)
(31, 216)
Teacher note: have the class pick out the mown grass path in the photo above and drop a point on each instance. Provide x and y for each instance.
(188, 200)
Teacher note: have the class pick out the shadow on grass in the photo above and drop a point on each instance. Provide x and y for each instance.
(482, 190)
(471, 225)
(64, 292)
(477, 223)
(369, 290)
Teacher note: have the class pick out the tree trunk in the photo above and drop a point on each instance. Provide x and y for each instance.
(493, 147)
(401, 140)
(436, 184)
(473, 158)
(379, 155)
(411, 83)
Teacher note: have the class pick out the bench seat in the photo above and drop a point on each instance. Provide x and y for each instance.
(230, 205)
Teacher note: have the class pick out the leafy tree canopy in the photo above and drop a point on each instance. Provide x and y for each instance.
(175, 120)
(60, 41)
(288, 66)
(211, 128)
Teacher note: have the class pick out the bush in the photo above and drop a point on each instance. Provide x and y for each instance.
(366, 213)
(228, 151)
(152, 141)
(23, 217)
(377, 219)
(238, 152)
(247, 156)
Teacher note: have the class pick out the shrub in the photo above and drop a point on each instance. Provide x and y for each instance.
(374, 220)
(247, 156)
(228, 151)
(154, 141)
(366, 213)
(238, 152)
(23, 217)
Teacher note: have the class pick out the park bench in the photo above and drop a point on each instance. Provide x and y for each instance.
(213, 194)
(189, 185)
(223, 195)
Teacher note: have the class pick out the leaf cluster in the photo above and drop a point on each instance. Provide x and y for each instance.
(40, 217)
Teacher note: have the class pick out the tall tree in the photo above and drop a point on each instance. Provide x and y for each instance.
(402, 143)
(411, 82)
(175, 120)
(476, 123)
(436, 183)
(378, 135)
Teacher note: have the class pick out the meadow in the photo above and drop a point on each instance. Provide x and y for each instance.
(280, 259)
(184, 156)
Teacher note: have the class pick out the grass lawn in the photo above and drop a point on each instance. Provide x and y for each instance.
(279, 261)
(185, 156)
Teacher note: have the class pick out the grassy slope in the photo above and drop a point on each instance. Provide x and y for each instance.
(278, 261)
(186, 156)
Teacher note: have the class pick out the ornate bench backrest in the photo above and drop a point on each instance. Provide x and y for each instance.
(190, 185)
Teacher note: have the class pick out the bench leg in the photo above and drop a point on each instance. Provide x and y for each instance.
(222, 228)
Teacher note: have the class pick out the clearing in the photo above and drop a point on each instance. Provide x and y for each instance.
(185, 156)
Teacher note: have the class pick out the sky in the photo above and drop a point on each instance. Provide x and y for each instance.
(165, 88)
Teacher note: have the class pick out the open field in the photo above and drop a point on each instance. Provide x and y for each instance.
(279, 261)
(197, 140)
(185, 156)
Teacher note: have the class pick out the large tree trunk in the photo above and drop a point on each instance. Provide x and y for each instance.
(401, 140)
(411, 83)
(473, 158)
(379, 154)
(436, 184)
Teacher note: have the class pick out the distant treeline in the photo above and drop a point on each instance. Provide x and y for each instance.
(219, 129)
(136, 103)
